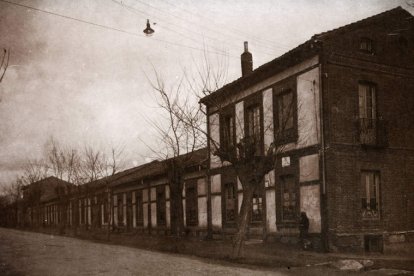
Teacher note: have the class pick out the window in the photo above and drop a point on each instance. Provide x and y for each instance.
(139, 214)
(228, 131)
(257, 208)
(370, 182)
(105, 208)
(289, 198)
(367, 113)
(82, 211)
(120, 210)
(253, 127)
(230, 205)
(284, 114)
(367, 101)
(366, 45)
(129, 209)
(87, 211)
(191, 203)
(161, 212)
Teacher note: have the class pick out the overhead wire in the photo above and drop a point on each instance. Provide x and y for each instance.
(133, 10)
(130, 8)
(273, 47)
(230, 30)
(115, 29)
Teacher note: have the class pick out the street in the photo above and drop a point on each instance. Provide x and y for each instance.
(28, 253)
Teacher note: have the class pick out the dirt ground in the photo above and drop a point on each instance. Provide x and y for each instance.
(29, 253)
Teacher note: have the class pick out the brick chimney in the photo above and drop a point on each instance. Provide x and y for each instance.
(246, 61)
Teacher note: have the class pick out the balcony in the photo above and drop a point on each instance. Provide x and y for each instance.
(372, 132)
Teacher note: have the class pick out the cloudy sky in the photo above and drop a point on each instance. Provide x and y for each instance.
(78, 68)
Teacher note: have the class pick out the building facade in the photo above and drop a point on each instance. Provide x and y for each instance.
(137, 199)
(339, 109)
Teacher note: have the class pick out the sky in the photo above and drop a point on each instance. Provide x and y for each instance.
(79, 69)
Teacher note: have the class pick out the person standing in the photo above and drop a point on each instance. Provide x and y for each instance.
(303, 230)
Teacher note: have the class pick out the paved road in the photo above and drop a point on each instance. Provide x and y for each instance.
(29, 253)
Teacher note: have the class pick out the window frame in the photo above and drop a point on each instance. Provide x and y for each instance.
(255, 219)
(139, 208)
(367, 212)
(226, 115)
(295, 189)
(105, 207)
(372, 88)
(227, 217)
(251, 103)
(161, 206)
(120, 209)
(191, 202)
(368, 42)
(283, 136)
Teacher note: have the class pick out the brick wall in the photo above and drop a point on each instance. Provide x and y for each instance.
(343, 68)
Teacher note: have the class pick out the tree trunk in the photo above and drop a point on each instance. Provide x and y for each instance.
(243, 221)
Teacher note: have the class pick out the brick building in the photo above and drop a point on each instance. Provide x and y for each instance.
(341, 109)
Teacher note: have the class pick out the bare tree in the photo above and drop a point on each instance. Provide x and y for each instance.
(181, 134)
(4, 63)
(13, 194)
(249, 162)
(111, 164)
(92, 164)
(33, 171)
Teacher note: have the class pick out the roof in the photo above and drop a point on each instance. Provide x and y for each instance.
(148, 170)
(48, 187)
(305, 50)
(397, 12)
(157, 168)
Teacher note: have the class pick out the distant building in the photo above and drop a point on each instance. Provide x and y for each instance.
(341, 105)
(42, 202)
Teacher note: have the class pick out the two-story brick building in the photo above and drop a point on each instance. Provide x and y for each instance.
(340, 107)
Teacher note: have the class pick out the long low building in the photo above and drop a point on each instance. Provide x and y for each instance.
(137, 199)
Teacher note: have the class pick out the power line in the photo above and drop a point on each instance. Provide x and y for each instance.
(114, 29)
(134, 9)
(232, 30)
(207, 28)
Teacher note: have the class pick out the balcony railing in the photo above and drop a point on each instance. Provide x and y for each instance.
(372, 132)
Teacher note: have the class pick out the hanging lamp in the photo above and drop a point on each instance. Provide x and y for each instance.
(148, 31)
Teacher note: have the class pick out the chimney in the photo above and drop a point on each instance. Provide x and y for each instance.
(246, 61)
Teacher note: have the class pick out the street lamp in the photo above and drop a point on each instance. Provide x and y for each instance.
(148, 31)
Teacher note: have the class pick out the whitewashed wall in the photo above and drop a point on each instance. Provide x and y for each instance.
(202, 202)
(214, 125)
(216, 201)
(308, 108)
(153, 198)
(268, 128)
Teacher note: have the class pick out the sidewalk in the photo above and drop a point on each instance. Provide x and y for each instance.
(255, 253)
(271, 254)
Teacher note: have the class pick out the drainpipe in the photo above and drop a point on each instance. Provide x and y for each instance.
(324, 205)
(209, 211)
